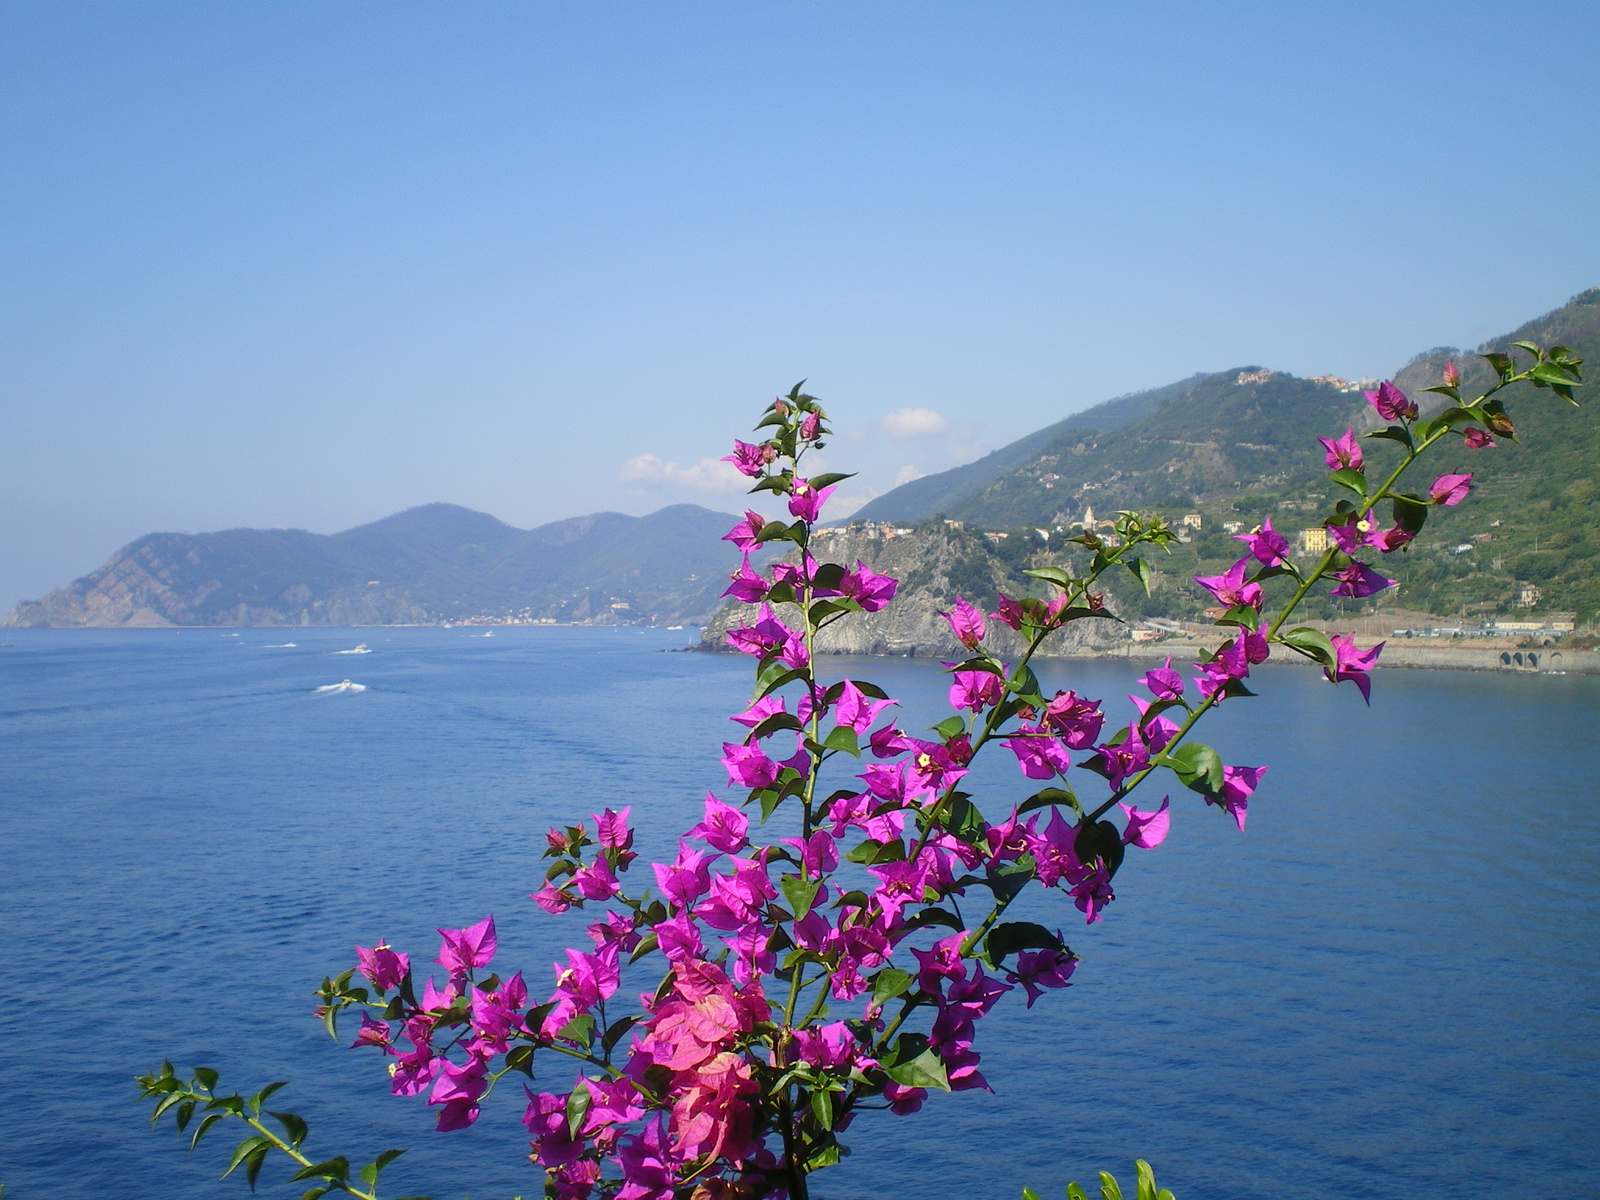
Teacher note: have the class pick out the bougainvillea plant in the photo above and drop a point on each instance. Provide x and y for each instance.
(831, 934)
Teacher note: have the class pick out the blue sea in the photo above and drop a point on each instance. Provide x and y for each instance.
(1388, 987)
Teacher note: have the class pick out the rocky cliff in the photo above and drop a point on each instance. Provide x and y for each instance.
(934, 563)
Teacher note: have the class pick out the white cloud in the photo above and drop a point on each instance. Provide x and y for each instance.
(906, 474)
(707, 475)
(913, 422)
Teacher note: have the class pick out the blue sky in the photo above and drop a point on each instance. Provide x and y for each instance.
(306, 265)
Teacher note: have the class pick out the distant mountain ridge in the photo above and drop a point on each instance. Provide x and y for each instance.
(434, 563)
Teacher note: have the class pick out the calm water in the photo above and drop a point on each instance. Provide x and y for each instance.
(1387, 988)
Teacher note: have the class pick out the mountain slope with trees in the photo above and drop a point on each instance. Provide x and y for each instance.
(1239, 445)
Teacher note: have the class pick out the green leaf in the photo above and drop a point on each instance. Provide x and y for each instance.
(1197, 767)
(1554, 373)
(1047, 797)
(1075, 1192)
(950, 727)
(889, 983)
(1102, 840)
(243, 1151)
(206, 1122)
(1054, 575)
(520, 1058)
(925, 1070)
(1029, 1194)
(773, 724)
(208, 1078)
(1141, 572)
(315, 1193)
(1026, 685)
(373, 1169)
(1395, 433)
(1147, 1180)
(934, 916)
(963, 819)
(828, 480)
(618, 1030)
(1018, 935)
(1108, 1187)
(800, 893)
(773, 677)
(822, 1108)
(843, 738)
(578, 1102)
(185, 1111)
(828, 577)
(1502, 364)
(252, 1165)
(334, 1168)
(580, 1029)
(1351, 478)
(1311, 642)
(294, 1127)
(1410, 513)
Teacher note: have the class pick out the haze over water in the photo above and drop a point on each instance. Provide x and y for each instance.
(1386, 988)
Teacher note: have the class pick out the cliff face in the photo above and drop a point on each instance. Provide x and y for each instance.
(933, 564)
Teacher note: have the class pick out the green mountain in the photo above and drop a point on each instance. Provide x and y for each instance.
(435, 563)
(923, 498)
(1239, 445)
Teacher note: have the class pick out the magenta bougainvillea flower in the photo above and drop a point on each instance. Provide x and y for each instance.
(976, 690)
(1353, 663)
(462, 950)
(856, 710)
(1345, 452)
(749, 460)
(1230, 588)
(758, 712)
(1238, 784)
(1452, 374)
(386, 968)
(1039, 755)
(1358, 580)
(1076, 719)
(747, 586)
(1037, 970)
(688, 878)
(1269, 546)
(1477, 439)
(872, 591)
(1450, 490)
(966, 622)
(766, 635)
(1147, 830)
(811, 426)
(1391, 403)
(806, 501)
(743, 535)
(749, 766)
(1164, 683)
(724, 828)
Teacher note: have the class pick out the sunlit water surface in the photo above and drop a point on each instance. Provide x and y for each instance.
(1386, 988)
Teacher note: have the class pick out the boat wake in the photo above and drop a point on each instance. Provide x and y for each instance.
(361, 649)
(282, 646)
(342, 688)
